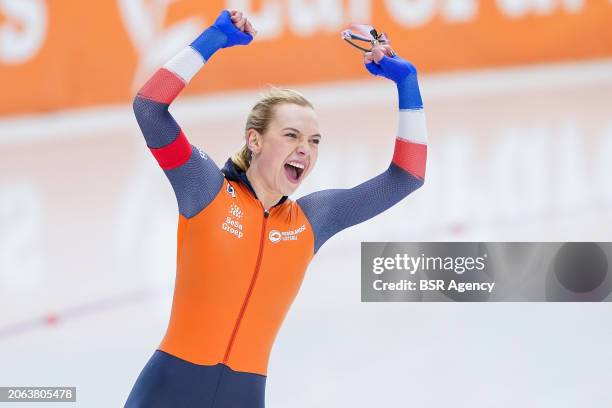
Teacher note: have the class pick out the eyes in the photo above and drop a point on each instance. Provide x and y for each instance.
(295, 136)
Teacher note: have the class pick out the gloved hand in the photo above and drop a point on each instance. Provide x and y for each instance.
(230, 28)
(394, 68)
(383, 61)
(236, 27)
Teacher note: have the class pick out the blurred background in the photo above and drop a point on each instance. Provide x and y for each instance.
(518, 96)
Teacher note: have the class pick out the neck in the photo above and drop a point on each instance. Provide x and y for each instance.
(267, 197)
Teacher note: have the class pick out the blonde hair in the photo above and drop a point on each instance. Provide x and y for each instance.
(262, 114)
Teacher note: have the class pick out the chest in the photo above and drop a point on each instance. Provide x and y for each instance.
(235, 225)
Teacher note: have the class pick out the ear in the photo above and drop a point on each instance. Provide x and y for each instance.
(253, 141)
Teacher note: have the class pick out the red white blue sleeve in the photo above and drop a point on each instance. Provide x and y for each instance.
(330, 211)
(194, 176)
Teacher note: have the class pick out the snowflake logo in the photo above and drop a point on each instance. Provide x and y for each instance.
(235, 211)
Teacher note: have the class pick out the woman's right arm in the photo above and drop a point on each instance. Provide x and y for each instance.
(195, 178)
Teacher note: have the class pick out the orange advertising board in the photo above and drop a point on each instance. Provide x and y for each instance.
(57, 54)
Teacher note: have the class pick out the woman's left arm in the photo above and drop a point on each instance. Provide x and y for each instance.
(330, 211)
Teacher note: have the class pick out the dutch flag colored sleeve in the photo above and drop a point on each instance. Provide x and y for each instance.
(410, 152)
(331, 211)
(194, 176)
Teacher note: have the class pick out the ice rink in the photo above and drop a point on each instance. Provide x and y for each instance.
(88, 229)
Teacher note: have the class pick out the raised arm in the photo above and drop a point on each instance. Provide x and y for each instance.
(330, 211)
(194, 176)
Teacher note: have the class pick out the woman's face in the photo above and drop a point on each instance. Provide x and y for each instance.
(287, 152)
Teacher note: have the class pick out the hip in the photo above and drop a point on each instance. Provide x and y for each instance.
(168, 381)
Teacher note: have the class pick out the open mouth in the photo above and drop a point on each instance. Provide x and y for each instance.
(293, 172)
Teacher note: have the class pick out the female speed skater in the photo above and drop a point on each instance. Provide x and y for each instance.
(242, 244)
